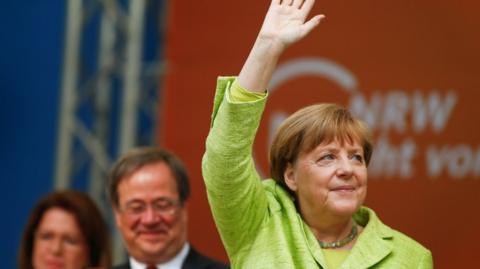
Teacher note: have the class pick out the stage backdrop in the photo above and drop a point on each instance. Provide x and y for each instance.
(408, 68)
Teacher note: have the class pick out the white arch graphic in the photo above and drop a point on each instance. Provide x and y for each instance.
(308, 66)
(316, 67)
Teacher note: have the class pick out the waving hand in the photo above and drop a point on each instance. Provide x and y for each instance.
(285, 23)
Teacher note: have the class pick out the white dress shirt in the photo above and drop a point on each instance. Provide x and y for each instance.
(175, 263)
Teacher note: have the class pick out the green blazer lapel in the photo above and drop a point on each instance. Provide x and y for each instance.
(373, 244)
(312, 244)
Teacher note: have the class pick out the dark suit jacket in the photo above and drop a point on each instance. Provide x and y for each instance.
(194, 260)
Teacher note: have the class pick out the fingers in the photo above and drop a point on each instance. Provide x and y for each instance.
(286, 2)
(307, 5)
(306, 8)
(297, 3)
(293, 3)
(308, 26)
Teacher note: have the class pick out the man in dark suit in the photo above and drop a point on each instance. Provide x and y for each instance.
(148, 189)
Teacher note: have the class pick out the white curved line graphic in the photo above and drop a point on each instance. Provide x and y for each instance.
(316, 67)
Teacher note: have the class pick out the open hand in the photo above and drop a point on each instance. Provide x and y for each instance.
(285, 22)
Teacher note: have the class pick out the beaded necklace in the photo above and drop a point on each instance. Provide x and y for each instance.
(341, 242)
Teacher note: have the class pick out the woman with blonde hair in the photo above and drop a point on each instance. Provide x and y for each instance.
(311, 213)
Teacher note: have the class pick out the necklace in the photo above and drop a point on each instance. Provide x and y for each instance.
(342, 242)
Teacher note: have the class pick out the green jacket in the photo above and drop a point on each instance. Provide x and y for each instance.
(257, 220)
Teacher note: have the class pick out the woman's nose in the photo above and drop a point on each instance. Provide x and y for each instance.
(56, 246)
(344, 168)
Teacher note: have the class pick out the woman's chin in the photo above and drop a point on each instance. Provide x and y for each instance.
(345, 208)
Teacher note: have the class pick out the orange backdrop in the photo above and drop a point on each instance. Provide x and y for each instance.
(408, 68)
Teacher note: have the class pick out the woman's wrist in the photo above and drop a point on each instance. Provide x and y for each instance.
(269, 46)
(260, 64)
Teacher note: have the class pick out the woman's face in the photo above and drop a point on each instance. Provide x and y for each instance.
(329, 181)
(58, 242)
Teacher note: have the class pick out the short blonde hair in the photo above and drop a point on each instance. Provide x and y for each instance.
(311, 126)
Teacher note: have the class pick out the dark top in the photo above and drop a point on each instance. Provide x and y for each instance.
(194, 260)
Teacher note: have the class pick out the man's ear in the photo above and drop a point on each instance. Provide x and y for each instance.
(289, 177)
(118, 217)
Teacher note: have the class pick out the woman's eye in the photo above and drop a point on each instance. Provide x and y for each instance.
(71, 240)
(327, 157)
(45, 236)
(358, 157)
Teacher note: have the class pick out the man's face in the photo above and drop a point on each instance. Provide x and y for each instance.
(149, 215)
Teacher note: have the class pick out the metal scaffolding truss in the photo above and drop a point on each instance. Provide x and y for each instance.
(109, 91)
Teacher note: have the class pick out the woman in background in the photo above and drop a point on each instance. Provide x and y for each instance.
(65, 231)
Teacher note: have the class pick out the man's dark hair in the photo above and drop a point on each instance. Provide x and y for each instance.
(139, 157)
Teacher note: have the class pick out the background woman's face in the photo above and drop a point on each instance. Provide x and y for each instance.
(58, 242)
(330, 179)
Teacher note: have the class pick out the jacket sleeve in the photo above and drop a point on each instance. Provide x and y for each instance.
(426, 262)
(235, 193)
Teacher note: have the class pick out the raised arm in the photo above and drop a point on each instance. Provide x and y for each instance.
(237, 197)
(285, 23)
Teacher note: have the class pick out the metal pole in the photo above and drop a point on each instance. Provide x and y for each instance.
(135, 28)
(106, 61)
(132, 75)
(68, 100)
